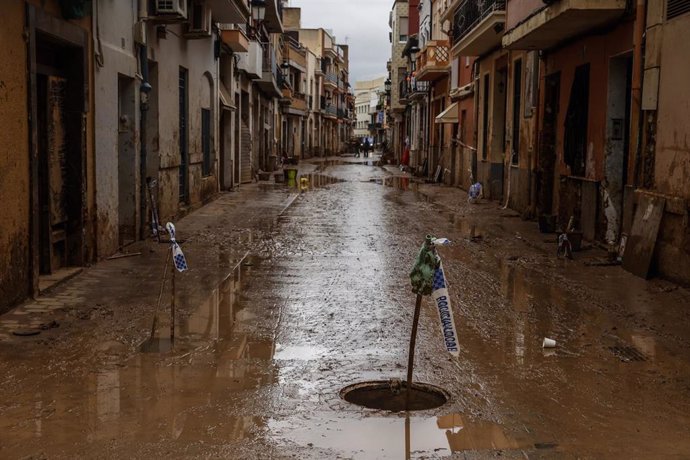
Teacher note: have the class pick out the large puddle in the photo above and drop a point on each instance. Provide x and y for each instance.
(377, 437)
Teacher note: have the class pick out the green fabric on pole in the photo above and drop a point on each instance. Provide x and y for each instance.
(422, 274)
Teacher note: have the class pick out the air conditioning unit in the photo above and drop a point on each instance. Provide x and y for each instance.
(171, 9)
(199, 23)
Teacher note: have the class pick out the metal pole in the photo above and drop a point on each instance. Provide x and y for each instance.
(160, 295)
(413, 340)
(408, 443)
(172, 309)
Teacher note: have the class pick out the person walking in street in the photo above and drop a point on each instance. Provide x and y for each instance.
(367, 146)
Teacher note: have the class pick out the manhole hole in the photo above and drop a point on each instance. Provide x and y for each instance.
(26, 332)
(628, 353)
(391, 394)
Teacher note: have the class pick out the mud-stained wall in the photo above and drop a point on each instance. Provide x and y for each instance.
(491, 159)
(15, 277)
(672, 169)
(525, 140)
(116, 57)
(466, 129)
(595, 50)
(672, 154)
(197, 57)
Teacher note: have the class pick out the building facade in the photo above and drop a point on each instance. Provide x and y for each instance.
(564, 110)
(112, 107)
(47, 183)
(369, 109)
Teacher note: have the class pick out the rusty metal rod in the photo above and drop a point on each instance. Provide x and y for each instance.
(172, 309)
(410, 360)
(160, 294)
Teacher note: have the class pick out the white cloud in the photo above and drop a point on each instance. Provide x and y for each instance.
(362, 24)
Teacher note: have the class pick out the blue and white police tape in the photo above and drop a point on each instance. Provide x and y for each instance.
(445, 312)
(178, 257)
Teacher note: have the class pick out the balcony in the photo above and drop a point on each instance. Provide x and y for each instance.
(270, 74)
(478, 27)
(336, 52)
(234, 38)
(295, 53)
(294, 103)
(414, 90)
(251, 62)
(274, 16)
(229, 11)
(329, 111)
(330, 79)
(433, 62)
(561, 21)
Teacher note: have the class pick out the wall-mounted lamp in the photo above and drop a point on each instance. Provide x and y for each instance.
(258, 10)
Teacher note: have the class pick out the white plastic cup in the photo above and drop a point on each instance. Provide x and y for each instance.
(548, 343)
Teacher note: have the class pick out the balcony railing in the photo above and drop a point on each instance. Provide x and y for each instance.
(331, 110)
(270, 62)
(471, 13)
(412, 88)
(331, 78)
(434, 57)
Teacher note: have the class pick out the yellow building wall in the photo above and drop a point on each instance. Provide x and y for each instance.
(14, 158)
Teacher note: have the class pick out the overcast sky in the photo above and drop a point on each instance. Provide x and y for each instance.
(362, 24)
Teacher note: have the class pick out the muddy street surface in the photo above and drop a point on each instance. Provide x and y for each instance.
(294, 295)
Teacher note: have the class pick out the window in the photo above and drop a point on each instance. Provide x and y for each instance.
(576, 118)
(403, 29)
(206, 141)
(517, 87)
(675, 8)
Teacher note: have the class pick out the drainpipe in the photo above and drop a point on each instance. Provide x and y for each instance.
(636, 119)
(144, 90)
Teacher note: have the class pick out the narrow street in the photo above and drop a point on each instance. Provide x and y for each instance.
(291, 297)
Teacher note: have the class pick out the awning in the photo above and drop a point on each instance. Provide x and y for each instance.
(226, 101)
(450, 115)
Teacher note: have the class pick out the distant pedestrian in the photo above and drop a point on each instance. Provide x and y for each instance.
(367, 146)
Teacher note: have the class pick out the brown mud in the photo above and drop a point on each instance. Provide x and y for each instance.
(292, 296)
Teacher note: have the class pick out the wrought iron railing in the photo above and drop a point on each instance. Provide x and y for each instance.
(471, 13)
(409, 88)
(332, 78)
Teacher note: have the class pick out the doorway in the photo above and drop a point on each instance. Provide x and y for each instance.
(617, 143)
(547, 150)
(59, 104)
(126, 162)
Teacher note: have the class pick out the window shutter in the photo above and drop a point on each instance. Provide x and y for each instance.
(675, 8)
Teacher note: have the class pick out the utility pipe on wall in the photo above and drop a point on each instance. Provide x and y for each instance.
(636, 119)
(144, 89)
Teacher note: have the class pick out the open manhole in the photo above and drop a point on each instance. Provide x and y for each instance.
(390, 395)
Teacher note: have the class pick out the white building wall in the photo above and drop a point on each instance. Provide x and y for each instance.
(117, 56)
(198, 57)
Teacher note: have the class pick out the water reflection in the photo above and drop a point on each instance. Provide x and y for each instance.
(315, 181)
(185, 393)
(463, 434)
(397, 437)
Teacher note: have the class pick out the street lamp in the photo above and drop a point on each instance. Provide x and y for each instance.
(258, 10)
(387, 85)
